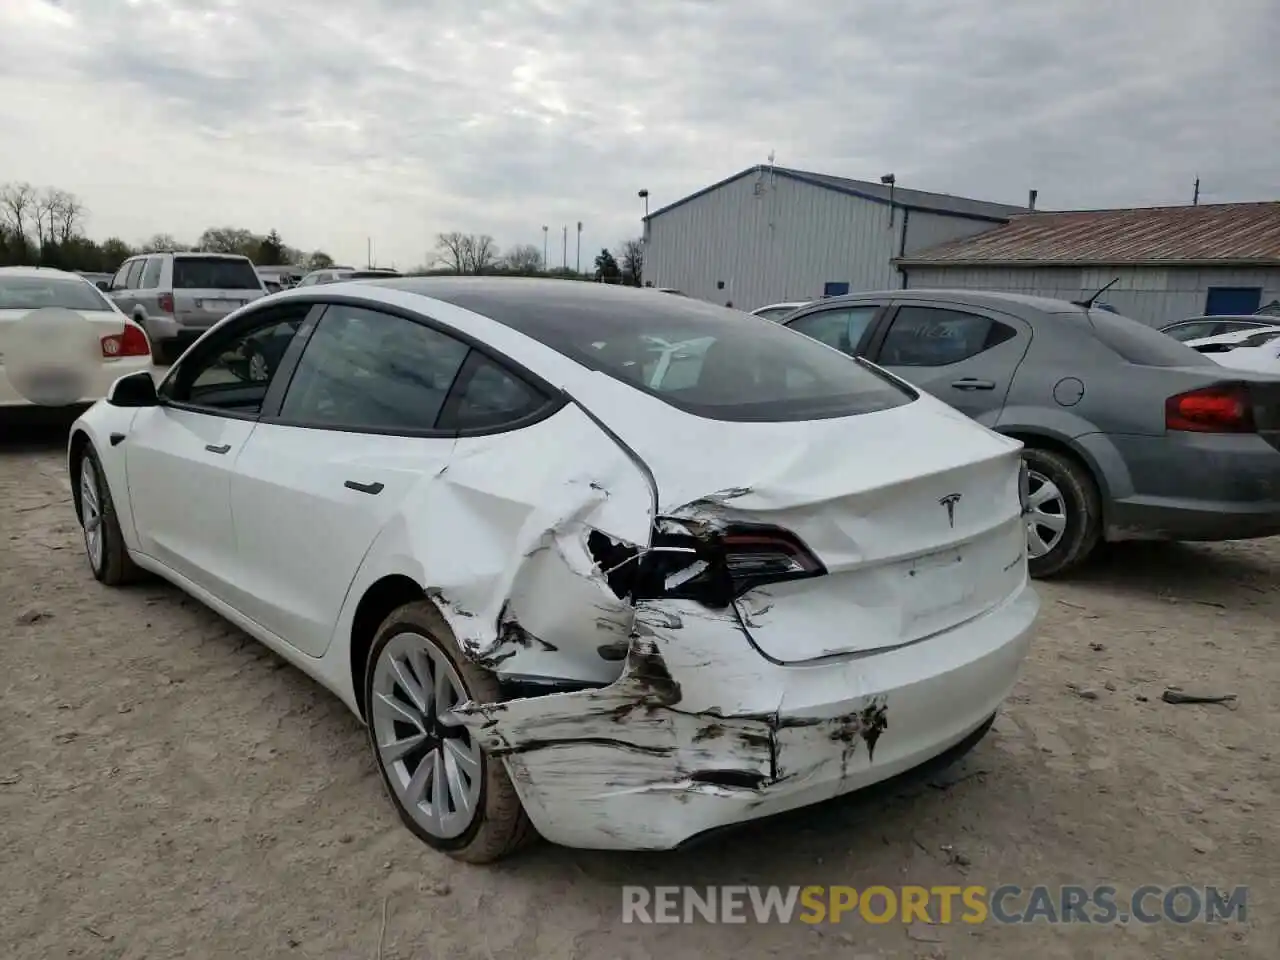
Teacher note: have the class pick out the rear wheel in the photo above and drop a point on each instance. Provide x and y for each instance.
(1064, 513)
(446, 789)
(103, 542)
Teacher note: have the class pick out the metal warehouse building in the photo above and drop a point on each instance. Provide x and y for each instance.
(1170, 263)
(770, 234)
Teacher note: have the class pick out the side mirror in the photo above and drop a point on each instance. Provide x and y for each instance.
(103, 285)
(135, 390)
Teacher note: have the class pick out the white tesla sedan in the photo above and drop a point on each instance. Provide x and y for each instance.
(113, 344)
(564, 594)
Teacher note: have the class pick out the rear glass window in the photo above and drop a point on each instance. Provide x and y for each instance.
(32, 293)
(214, 273)
(1138, 343)
(704, 359)
(1258, 339)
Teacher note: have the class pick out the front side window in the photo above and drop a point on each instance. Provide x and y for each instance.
(234, 373)
(841, 328)
(121, 276)
(363, 369)
(151, 273)
(936, 337)
(214, 273)
(33, 293)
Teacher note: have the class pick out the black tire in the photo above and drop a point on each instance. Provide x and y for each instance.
(500, 827)
(1081, 506)
(112, 565)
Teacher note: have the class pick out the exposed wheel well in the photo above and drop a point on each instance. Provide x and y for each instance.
(79, 441)
(375, 606)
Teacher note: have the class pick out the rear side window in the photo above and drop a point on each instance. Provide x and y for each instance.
(368, 370)
(936, 337)
(488, 396)
(704, 359)
(214, 273)
(1140, 344)
(151, 273)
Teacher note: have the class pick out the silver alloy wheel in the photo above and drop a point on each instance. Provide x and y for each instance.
(91, 513)
(430, 759)
(258, 369)
(1046, 515)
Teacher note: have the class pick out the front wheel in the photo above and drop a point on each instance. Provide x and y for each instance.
(1064, 516)
(447, 790)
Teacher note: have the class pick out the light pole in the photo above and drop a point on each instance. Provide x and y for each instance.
(579, 267)
(544, 248)
(565, 262)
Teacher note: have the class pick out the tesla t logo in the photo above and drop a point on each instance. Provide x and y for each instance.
(950, 501)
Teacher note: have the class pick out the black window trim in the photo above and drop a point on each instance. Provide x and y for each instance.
(554, 398)
(258, 319)
(1020, 325)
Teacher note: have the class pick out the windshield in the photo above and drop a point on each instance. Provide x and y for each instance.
(214, 273)
(1138, 343)
(32, 293)
(701, 358)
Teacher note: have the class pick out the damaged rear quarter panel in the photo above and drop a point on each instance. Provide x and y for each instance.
(498, 540)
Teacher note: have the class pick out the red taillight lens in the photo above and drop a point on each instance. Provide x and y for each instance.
(166, 302)
(1226, 408)
(715, 567)
(132, 343)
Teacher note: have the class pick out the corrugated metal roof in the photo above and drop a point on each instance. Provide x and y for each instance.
(1244, 234)
(877, 192)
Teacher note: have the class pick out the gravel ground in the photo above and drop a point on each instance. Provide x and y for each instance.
(170, 788)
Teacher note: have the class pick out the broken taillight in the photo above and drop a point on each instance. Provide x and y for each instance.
(716, 566)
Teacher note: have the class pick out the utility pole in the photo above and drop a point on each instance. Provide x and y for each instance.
(565, 262)
(544, 248)
(368, 252)
(579, 267)
(1195, 197)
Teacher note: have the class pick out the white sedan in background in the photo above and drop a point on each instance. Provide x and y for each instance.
(119, 346)
(569, 593)
(1244, 350)
(776, 311)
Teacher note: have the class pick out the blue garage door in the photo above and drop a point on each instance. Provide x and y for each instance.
(1232, 301)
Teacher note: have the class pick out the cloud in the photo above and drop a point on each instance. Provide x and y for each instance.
(337, 120)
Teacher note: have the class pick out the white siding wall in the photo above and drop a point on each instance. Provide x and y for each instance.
(785, 243)
(1154, 296)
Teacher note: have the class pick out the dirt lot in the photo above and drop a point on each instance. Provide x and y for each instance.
(169, 788)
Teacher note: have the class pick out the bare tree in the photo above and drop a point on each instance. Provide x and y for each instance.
(18, 209)
(229, 240)
(452, 249)
(631, 258)
(523, 258)
(71, 214)
(481, 254)
(160, 243)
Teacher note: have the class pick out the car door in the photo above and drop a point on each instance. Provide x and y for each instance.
(354, 436)
(179, 455)
(846, 327)
(124, 285)
(965, 356)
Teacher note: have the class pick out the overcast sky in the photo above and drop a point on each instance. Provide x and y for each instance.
(334, 120)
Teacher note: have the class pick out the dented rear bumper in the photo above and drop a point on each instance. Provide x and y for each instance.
(702, 731)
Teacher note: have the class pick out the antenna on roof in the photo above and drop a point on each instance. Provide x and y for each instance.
(1195, 196)
(1089, 303)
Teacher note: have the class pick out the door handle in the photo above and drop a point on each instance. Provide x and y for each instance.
(373, 488)
(970, 383)
(222, 449)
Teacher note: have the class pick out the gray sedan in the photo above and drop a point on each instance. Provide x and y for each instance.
(1130, 435)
